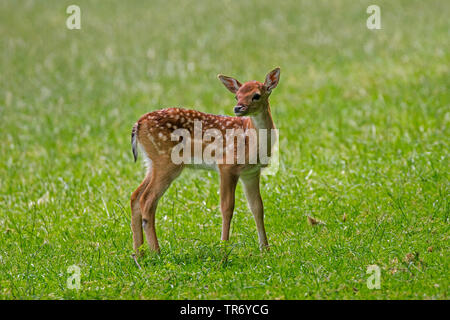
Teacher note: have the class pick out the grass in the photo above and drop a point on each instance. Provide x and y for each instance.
(364, 132)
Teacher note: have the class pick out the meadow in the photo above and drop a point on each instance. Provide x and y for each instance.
(364, 144)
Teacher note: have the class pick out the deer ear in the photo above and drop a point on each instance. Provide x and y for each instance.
(232, 84)
(272, 79)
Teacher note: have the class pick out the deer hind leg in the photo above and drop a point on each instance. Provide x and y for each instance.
(136, 215)
(161, 178)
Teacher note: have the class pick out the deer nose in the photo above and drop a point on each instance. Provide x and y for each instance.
(239, 109)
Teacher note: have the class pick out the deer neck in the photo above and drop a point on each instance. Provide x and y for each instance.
(262, 120)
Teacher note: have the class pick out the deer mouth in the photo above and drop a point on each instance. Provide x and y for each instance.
(240, 110)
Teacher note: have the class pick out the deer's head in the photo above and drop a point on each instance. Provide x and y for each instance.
(252, 96)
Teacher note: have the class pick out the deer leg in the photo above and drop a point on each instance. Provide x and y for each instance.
(253, 195)
(161, 178)
(136, 215)
(228, 182)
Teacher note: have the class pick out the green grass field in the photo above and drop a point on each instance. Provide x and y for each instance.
(364, 143)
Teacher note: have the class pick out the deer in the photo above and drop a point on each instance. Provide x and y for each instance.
(151, 134)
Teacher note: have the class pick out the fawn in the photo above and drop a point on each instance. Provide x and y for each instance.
(152, 133)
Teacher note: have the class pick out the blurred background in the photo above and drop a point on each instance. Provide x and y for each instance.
(363, 118)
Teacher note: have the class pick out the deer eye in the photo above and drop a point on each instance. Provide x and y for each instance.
(256, 97)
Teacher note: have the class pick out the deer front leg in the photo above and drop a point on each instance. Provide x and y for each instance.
(253, 195)
(228, 182)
